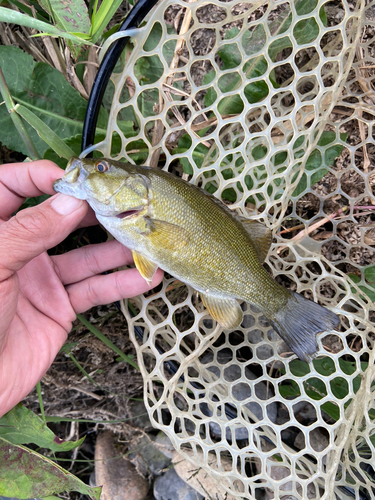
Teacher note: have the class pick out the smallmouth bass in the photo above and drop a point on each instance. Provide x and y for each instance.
(174, 225)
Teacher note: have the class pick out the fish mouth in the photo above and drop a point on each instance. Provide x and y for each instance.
(130, 214)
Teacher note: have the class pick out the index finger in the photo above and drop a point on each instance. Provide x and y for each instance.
(21, 180)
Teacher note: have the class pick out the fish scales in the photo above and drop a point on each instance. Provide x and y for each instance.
(172, 224)
(228, 263)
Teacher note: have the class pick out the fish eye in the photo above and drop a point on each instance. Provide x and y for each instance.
(101, 166)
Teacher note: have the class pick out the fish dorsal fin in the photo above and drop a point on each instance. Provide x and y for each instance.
(227, 312)
(146, 268)
(166, 235)
(260, 236)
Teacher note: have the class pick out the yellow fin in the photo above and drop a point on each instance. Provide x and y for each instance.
(146, 268)
(260, 236)
(227, 312)
(167, 235)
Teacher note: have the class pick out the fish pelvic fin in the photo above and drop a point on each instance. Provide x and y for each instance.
(300, 321)
(227, 312)
(260, 235)
(146, 268)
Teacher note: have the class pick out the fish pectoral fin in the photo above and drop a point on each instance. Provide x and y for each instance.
(227, 312)
(166, 235)
(260, 236)
(146, 268)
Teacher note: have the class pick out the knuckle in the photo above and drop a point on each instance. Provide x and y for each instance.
(92, 294)
(29, 224)
(91, 261)
(119, 285)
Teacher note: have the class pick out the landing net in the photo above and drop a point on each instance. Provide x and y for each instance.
(270, 106)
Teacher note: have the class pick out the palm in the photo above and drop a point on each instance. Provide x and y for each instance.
(38, 329)
(39, 302)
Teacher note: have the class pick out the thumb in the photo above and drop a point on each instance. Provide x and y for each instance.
(34, 230)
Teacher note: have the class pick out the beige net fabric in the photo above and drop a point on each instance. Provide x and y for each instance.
(270, 107)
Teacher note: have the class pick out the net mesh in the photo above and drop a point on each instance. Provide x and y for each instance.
(270, 107)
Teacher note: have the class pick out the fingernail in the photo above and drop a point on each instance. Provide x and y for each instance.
(64, 204)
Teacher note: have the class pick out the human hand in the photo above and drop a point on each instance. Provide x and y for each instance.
(41, 294)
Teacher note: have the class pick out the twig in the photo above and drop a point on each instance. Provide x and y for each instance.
(55, 54)
(321, 222)
(91, 69)
(88, 393)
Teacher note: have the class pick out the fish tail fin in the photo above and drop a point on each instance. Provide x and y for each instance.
(300, 321)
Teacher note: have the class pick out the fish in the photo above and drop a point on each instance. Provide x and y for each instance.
(169, 223)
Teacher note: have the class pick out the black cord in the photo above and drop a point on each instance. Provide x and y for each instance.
(133, 20)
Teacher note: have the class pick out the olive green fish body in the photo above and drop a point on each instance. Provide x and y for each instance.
(177, 226)
(218, 256)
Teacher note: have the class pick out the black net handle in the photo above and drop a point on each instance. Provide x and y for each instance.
(133, 20)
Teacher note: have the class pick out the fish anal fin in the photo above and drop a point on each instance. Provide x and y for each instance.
(146, 268)
(260, 236)
(227, 312)
(166, 235)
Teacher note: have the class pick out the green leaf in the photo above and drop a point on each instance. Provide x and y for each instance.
(146, 102)
(24, 8)
(370, 275)
(230, 55)
(70, 16)
(22, 426)
(347, 367)
(332, 410)
(324, 366)
(44, 91)
(315, 161)
(26, 474)
(14, 17)
(255, 67)
(339, 387)
(256, 91)
(290, 389)
(323, 16)
(370, 292)
(148, 69)
(278, 45)
(299, 368)
(315, 388)
(153, 38)
(281, 23)
(229, 82)
(101, 18)
(254, 40)
(74, 143)
(45, 133)
(208, 77)
(231, 105)
(304, 7)
(306, 31)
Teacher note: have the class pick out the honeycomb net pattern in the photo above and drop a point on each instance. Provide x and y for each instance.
(270, 107)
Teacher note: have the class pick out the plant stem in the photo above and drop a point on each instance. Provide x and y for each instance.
(106, 341)
(18, 123)
(39, 391)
